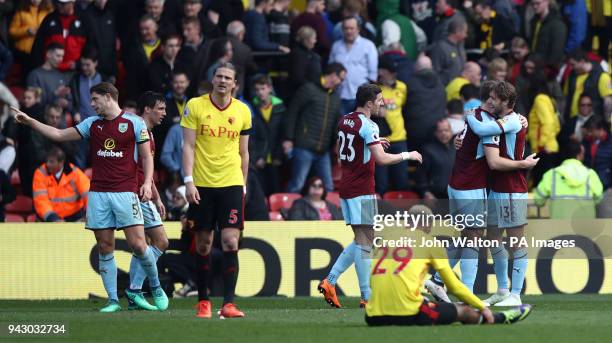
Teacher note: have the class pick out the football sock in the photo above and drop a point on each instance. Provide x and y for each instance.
(108, 272)
(519, 267)
(346, 258)
(148, 265)
(363, 263)
(500, 265)
(203, 271)
(454, 255)
(137, 274)
(230, 275)
(469, 267)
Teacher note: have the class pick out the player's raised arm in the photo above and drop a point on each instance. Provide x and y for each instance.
(508, 124)
(383, 158)
(497, 162)
(54, 134)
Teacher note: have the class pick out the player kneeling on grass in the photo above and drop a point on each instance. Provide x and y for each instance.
(152, 109)
(397, 279)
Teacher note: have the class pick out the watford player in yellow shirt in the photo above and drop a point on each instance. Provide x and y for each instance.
(397, 278)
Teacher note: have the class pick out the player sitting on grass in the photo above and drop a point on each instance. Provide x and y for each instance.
(398, 277)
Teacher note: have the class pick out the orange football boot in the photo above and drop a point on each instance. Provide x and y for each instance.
(204, 309)
(329, 292)
(230, 310)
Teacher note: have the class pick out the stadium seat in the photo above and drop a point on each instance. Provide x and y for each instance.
(13, 218)
(276, 216)
(17, 92)
(393, 195)
(334, 198)
(88, 172)
(31, 218)
(15, 179)
(282, 200)
(22, 206)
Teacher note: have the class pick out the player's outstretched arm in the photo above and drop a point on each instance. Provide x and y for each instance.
(382, 158)
(510, 124)
(54, 134)
(497, 162)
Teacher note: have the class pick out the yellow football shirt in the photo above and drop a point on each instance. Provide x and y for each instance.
(217, 161)
(603, 85)
(454, 87)
(149, 48)
(398, 275)
(395, 98)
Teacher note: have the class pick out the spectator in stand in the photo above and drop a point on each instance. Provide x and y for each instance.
(176, 100)
(103, 16)
(438, 158)
(519, 49)
(470, 97)
(446, 12)
(68, 27)
(242, 56)
(424, 103)
(353, 9)
(470, 74)
(310, 130)
(304, 63)
(278, 20)
(172, 151)
(162, 66)
(360, 58)
(422, 12)
(598, 148)
(80, 85)
(193, 45)
(137, 54)
(221, 51)
(497, 69)
(8, 129)
(266, 148)
(572, 130)
(23, 28)
(455, 110)
(548, 33)
(7, 193)
(6, 61)
(165, 19)
(600, 25)
(530, 65)
(130, 106)
(6, 10)
(394, 95)
(257, 32)
(543, 126)
(575, 15)
(587, 77)
(25, 147)
(53, 117)
(313, 17)
(53, 82)
(389, 14)
(223, 12)
(312, 205)
(448, 55)
(192, 9)
(495, 30)
(60, 189)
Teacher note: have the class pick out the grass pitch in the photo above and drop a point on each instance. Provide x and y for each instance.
(556, 318)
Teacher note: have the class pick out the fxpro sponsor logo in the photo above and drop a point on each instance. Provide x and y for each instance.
(219, 131)
(109, 146)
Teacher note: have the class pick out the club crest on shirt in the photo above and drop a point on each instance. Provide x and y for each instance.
(496, 139)
(123, 127)
(230, 120)
(186, 112)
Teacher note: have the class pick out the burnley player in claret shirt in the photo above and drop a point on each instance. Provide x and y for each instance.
(117, 139)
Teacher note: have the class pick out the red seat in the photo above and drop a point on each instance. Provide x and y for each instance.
(275, 216)
(282, 200)
(400, 195)
(334, 198)
(13, 218)
(15, 179)
(32, 218)
(22, 206)
(17, 92)
(88, 172)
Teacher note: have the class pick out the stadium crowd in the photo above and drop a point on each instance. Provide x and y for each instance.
(299, 64)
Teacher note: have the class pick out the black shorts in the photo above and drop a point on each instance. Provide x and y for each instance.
(430, 313)
(219, 208)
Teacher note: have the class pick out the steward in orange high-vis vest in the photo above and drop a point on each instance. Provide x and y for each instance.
(59, 189)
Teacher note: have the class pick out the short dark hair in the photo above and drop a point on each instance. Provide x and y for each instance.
(178, 71)
(187, 20)
(584, 95)
(505, 91)
(486, 89)
(90, 54)
(596, 122)
(578, 55)
(469, 91)
(572, 149)
(334, 68)
(262, 79)
(367, 92)
(456, 24)
(166, 38)
(56, 152)
(454, 106)
(104, 88)
(53, 107)
(149, 99)
(309, 183)
(55, 46)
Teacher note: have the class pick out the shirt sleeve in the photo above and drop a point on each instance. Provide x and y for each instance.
(188, 118)
(84, 126)
(492, 141)
(140, 131)
(369, 132)
(508, 124)
(247, 121)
